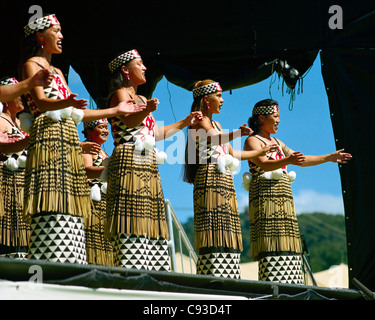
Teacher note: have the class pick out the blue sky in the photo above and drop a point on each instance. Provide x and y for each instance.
(306, 128)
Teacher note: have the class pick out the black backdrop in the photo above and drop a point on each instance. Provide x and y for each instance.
(237, 43)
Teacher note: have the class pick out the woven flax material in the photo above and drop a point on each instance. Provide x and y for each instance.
(55, 176)
(135, 200)
(273, 221)
(216, 218)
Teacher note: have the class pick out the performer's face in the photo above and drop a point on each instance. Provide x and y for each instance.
(271, 122)
(137, 71)
(215, 102)
(99, 134)
(52, 39)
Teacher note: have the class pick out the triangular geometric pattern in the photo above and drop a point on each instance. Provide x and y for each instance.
(139, 252)
(15, 255)
(282, 268)
(221, 264)
(58, 238)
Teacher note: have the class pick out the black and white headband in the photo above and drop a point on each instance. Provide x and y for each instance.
(122, 59)
(40, 24)
(8, 81)
(93, 124)
(264, 110)
(206, 89)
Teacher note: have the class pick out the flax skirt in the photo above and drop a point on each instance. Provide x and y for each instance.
(14, 231)
(218, 238)
(56, 185)
(99, 248)
(274, 231)
(135, 209)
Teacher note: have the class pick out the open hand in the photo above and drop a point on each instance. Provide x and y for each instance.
(340, 157)
(245, 130)
(297, 158)
(128, 107)
(77, 103)
(194, 117)
(269, 148)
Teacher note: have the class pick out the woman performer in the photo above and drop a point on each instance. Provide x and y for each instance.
(274, 238)
(209, 162)
(57, 196)
(14, 232)
(99, 249)
(135, 202)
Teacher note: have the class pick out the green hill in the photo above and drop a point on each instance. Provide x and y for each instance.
(324, 235)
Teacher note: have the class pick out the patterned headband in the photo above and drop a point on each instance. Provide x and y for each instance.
(264, 110)
(206, 89)
(122, 59)
(8, 81)
(93, 124)
(40, 24)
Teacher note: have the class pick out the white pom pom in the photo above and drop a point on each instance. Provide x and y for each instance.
(247, 177)
(138, 146)
(235, 164)
(267, 175)
(105, 162)
(277, 174)
(66, 112)
(292, 176)
(1, 108)
(104, 187)
(148, 142)
(95, 193)
(221, 164)
(21, 161)
(228, 160)
(161, 156)
(53, 115)
(11, 164)
(26, 120)
(77, 115)
(104, 175)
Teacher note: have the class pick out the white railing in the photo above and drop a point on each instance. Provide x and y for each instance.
(182, 238)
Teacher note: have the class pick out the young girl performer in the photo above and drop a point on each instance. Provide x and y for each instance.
(135, 202)
(99, 249)
(57, 196)
(209, 162)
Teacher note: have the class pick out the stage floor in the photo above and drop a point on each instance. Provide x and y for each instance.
(100, 282)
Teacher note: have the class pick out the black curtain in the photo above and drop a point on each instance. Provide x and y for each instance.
(349, 76)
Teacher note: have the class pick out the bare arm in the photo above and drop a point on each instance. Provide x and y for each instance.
(251, 154)
(336, 157)
(169, 130)
(204, 129)
(41, 78)
(262, 161)
(45, 104)
(132, 120)
(91, 171)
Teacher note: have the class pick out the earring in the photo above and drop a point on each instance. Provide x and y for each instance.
(42, 45)
(127, 77)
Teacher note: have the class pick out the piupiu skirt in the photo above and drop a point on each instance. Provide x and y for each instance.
(135, 202)
(14, 231)
(98, 247)
(218, 238)
(274, 231)
(55, 179)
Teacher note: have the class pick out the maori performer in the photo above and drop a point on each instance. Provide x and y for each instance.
(274, 234)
